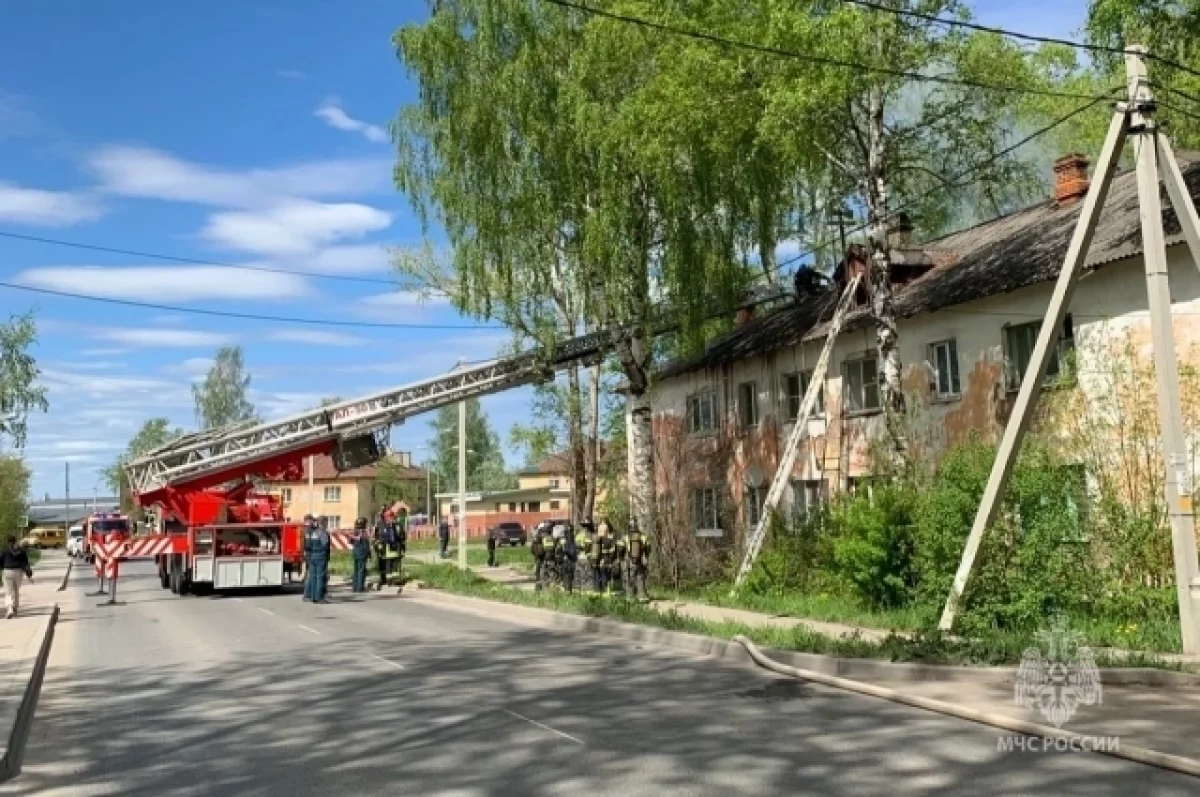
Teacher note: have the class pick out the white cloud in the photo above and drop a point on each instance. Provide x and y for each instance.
(34, 206)
(317, 337)
(102, 352)
(290, 74)
(348, 259)
(282, 404)
(164, 338)
(194, 368)
(153, 174)
(293, 227)
(179, 283)
(333, 115)
(85, 445)
(90, 365)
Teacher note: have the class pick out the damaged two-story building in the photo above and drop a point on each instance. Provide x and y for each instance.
(969, 307)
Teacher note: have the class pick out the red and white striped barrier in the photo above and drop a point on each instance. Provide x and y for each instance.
(339, 540)
(136, 548)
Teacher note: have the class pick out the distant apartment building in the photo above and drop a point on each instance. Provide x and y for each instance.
(341, 496)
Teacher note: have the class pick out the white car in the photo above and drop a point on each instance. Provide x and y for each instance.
(75, 541)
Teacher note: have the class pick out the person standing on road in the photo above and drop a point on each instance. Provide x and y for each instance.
(15, 563)
(310, 523)
(316, 550)
(443, 538)
(360, 546)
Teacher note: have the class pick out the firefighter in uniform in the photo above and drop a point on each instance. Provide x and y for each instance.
(387, 546)
(316, 554)
(638, 556)
(360, 547)
(585, 569)
(540, 547)
(567, 554)
(604, 551)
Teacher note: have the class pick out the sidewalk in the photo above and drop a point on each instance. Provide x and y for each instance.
(19, 637)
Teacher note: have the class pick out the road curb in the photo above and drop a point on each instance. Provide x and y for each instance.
(63, 584)
(857, 669)
(1142, 755)
(32, 672)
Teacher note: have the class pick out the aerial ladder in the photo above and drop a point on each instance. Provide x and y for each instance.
(799, 432)
(217, 532)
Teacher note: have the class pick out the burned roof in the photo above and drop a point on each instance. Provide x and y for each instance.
(1015, 251)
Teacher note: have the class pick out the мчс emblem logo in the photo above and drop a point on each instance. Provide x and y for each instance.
(1059, 675)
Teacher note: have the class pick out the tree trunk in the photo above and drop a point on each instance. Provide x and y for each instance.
(575, 443)
(882, 304)
(634, 351)
(592, 440)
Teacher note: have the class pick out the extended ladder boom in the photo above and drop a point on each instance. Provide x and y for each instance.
(799, 432)
(233, 452)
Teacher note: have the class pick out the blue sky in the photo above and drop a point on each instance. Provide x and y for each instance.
(241, 133)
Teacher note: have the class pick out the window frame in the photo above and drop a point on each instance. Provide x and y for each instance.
(813, 493)
(694, 415)
(285, 494)
(753, 500)
(743, 406)
(1058, 371)
(955, 375)
(335, 522)
(336, 493)
(858, 362)
(705, 501)
(803, 378)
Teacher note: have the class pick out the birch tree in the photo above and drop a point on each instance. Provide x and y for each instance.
(20, 391)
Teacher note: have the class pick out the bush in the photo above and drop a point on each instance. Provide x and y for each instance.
(873, 546)
(796, 557)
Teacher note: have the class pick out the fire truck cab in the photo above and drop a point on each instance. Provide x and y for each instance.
(103, 527)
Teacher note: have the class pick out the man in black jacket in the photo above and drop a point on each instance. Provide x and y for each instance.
(14, 563)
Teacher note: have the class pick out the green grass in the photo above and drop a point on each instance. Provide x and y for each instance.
(830, 608)
(925, 647)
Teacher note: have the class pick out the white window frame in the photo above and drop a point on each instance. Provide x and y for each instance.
(285, 494)
(1014, 371)
(748, 414)
(554, 483)
(793, 401)
(698, 422)
(807, 495)
(755, 497)
(952, 388)
(864, 407)
(335, 522)
(332, 494)
(705, 510)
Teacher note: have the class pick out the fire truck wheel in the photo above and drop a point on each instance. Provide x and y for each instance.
(164, 577)
(174, 576)
(185, 583)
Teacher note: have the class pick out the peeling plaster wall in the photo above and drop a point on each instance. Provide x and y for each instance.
(1108, 303)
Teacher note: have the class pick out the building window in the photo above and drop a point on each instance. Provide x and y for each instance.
(554, 484)
(748, 404)
(285, 495)
(755, 496)
(554, 505)
(807, 496)
(335, 522)
(333, 494)
(943, 356)
(534, 506)
(860, 384)
(704, 509)
(794, 388)
(701, 412)
(1019, 340)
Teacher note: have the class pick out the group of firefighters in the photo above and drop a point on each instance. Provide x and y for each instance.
(387, 540)
(616, 563)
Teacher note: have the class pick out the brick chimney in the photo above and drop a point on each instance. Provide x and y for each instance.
(1070, 179)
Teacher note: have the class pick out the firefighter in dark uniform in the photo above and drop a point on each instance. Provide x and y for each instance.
(540, 547)
(387, 546)
(637, 545)
(585, 568)
(360, 548)
(604, 551)
(316, 554)
(568, 555)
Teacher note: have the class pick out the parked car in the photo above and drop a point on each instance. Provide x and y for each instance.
(75, 541)
(509, 533)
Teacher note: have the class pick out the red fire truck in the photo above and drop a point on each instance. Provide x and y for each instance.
(217, 531)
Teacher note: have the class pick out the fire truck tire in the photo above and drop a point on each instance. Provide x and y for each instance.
(164, 577)
(174, 576)
(185, 580)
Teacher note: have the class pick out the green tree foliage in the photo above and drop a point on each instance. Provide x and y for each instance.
(485, 458)
(221, 399)
(1171, 30)
(394, 482)
(154, 433)
(14, 494)
(20, 393)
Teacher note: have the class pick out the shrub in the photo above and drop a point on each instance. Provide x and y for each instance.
(873, 547)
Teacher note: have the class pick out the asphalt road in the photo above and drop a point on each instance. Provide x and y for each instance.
(266, 695)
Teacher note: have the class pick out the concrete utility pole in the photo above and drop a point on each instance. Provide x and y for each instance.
(1132, 120)
(67, 498)
(462, 485)
(311, 497)
(1162, 333)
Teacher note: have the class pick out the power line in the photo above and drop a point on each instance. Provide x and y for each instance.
(1012, 34)
(192, 261)
(816, 59)
(245, 316)
(953, 181)
(1176, 109)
